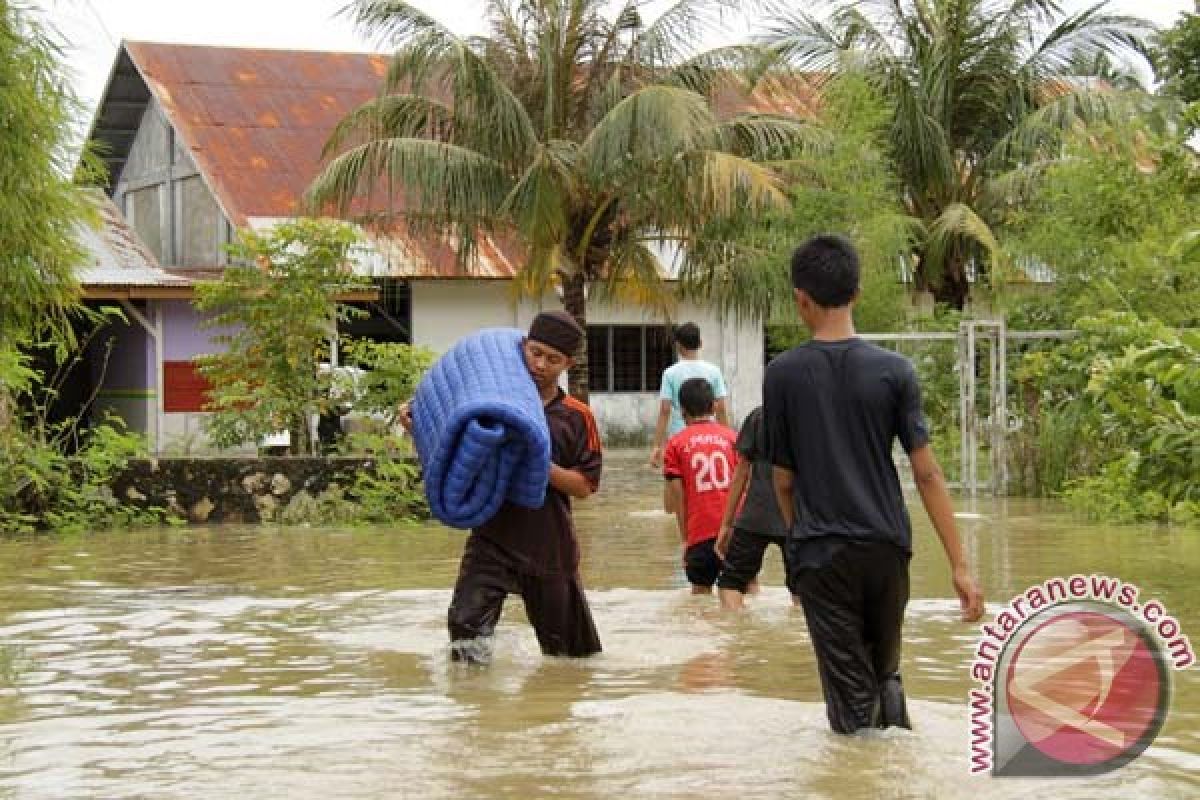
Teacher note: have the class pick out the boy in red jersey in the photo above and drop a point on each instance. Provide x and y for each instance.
(698, 465)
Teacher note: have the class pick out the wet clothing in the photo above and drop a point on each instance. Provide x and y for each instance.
(556, 605)
(534, 552)
(701, 563)
(676, 375)
(702, 456)
(854, 608)
(833, 411)
(759, 523)
(759, 512)
(744, 558)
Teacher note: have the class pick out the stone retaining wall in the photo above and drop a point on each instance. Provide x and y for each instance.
(237, 490)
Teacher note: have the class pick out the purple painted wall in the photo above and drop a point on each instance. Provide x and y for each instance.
(183, 338)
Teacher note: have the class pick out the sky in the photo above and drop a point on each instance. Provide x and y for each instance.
(93, 28)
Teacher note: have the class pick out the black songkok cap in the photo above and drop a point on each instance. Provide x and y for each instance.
(557, 329)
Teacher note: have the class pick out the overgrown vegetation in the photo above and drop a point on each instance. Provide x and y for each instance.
(392, 371)
(978, 89)
(1115, 413)
(55, 470)
(1177, 63)
(52, 475)
(848, 185)
(41, 208)
(274, 312)
(1118, 221)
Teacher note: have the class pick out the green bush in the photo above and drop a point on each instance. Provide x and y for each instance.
(392, 372)
(1116, 415)
(393, 491)
(45, 488)
(272, 310)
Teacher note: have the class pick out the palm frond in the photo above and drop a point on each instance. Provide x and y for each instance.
(392, 116)
(771, 137)
(723, 186)
(1089, 33)
(543, 266)
(955, 230)
(670, 37)
(646, 128)
(740, 276)
(393, 22)
(539, 202)
(465, 187)
(1040, 134)
(805, 42)
(737, 65)
(635, 276)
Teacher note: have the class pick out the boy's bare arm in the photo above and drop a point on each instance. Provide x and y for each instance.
(741, 478)
(678, 504)
(932, 486)
(660, 432)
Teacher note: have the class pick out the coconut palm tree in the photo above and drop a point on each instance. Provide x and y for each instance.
(585, 132)
(982, 91)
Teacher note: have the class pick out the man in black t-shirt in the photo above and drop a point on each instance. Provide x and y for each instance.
(833, 407)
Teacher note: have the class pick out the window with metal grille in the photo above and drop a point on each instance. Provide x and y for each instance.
(628, 358)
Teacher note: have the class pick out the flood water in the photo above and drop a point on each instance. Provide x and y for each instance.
(247, 663)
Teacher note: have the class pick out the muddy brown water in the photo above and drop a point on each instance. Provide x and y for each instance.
(305, 663)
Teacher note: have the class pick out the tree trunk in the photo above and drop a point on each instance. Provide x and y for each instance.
(575, 304)
(953, 288)
(300, 436)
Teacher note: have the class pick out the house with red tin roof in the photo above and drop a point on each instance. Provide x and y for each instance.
(201, 141)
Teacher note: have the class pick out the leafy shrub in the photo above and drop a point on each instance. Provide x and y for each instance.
(1116, 412)
(45, 488)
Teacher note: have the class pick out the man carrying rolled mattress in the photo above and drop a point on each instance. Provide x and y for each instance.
(534, 552)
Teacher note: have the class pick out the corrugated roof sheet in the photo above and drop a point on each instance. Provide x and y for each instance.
(116, 256)
(255, 121)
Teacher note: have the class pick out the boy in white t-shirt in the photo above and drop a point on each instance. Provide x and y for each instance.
(689, 365)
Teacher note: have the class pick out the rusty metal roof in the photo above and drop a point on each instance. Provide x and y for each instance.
(116, 256)
(255, 122)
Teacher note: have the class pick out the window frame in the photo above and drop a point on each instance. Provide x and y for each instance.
(647, 381)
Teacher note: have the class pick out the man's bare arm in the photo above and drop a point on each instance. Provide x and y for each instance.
(932, 486)
(570, 482)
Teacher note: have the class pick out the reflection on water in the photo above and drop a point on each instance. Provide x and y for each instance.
(312, 664)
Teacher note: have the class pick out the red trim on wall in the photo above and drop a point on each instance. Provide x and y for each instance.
(184, 388)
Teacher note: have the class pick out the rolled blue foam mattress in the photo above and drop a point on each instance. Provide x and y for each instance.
(480, 430)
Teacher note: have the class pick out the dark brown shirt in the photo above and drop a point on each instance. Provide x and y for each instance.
(542, 540)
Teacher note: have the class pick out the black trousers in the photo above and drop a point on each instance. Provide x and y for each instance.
(854, 607)
(556, 605)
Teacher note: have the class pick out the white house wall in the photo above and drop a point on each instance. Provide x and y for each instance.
(443, 311)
